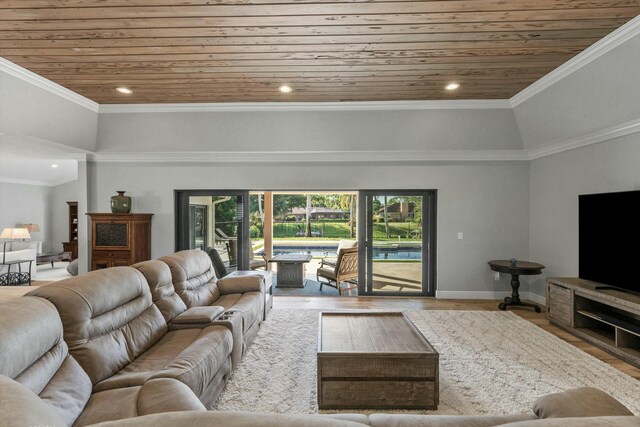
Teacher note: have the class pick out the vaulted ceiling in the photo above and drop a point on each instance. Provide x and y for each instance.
(326, 50)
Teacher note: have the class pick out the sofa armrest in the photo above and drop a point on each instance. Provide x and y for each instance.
(196, 317)
(579, 402)
(241, 284)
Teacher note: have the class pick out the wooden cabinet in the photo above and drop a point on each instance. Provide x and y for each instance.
(608, 318)
(559, 303)
(119, 239)
(72, 244)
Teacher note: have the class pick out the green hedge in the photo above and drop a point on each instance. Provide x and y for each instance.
(340, 230)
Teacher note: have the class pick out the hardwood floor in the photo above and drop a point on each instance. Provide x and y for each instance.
(405, 303)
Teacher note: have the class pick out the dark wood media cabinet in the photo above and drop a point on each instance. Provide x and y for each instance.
(607, 318)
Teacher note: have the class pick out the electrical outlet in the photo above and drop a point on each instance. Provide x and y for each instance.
(496, 276)
(460, 235)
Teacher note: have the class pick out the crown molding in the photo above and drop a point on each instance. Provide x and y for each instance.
(307, 157)
(382, 156)
(35, 182)
(46, 84)
(602, 135)
(606, 44)
(80, 157)
(307, 106)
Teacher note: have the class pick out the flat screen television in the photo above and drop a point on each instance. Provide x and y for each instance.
(609, 239)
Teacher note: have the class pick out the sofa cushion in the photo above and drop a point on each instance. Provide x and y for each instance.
(580, 422)
(193, 277)
(158, 276)
(68, 391)
(151, 361)
(579, 402)
(191, 356)
(199, 362)
(108, 316)
(34, 354)
(19, 406)
(155, 396)
(250, 305)
(110, 405)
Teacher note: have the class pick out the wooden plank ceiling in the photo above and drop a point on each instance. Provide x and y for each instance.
(327, 50)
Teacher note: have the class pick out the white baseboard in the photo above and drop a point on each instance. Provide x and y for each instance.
(472, 294)
(538, 299)
(489, 295)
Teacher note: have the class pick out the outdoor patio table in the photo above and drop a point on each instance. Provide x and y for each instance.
(291, 269)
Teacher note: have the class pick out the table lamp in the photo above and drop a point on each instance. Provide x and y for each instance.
(32, 228)
(12, 234)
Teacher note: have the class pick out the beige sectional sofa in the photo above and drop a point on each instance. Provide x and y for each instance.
(143, 345)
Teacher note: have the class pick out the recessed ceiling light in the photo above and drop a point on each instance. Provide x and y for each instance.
(54, 165)
(285, 89)
(452, 86)
(124, 90)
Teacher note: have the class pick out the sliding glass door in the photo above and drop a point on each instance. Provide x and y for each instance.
(198, 226)
(214, 219)
(397, 243)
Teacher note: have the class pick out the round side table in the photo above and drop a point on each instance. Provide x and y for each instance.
(515, 270)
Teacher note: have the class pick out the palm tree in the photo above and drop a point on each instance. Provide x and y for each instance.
(352, 223)
(347, 201)
(260, 207)
(307, 231)
(386, 218)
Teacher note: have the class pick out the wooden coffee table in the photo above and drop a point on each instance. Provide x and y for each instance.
(375, 360)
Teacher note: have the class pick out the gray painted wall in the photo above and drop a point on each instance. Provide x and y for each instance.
(24, 204)
(30, 111)
(488, 202)
(60, 212)
(309, 131)
(604, 93)
(556, 182)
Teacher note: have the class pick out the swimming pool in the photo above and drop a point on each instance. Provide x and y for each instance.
(394, 252)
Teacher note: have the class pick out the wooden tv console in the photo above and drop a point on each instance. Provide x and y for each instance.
(607, 318)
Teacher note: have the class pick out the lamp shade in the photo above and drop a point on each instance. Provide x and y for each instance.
(15, 233)
(32, 228)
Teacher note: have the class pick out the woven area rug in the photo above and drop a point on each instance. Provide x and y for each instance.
(490, 363)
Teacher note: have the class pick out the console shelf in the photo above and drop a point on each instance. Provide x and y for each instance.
(607, 318)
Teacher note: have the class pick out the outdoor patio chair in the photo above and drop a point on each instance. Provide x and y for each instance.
(332, 258)
(231, 243)
(256, 263)
(343, 272)
(218, 264)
